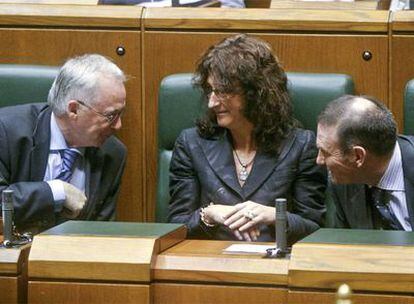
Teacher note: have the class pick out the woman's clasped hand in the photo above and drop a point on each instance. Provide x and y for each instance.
(242, 219)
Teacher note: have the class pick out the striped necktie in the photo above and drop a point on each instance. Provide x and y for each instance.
(381, 199)
(68, 159)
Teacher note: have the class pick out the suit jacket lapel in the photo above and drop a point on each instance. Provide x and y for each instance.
(41, 144)
(359, 204)
(407, 148)
(219, 154)
(264, 165)
(93, 167)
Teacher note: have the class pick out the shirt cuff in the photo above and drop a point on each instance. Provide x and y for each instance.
(58, 192)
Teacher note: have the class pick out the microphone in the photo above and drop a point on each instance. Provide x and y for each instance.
(281, 223)
(7, 213)
(281, 249)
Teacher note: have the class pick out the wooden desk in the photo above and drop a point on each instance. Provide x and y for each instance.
(97, 268)
(97, 262)
(13, 274)
(72, 2)
(324, 5)
(197, 271)
(377, 265)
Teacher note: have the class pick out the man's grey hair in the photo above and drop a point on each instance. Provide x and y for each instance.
(79, 79)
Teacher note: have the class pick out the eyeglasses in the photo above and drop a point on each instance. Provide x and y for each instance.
(110, 117)
(220, 96)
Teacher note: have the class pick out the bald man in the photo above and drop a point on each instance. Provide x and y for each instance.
(371, 168)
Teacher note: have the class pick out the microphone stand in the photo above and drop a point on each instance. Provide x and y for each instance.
(281, 250)
(10, 238)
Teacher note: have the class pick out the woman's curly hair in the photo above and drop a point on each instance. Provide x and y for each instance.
(245, 65)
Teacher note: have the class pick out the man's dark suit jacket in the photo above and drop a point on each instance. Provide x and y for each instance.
(353, 210)
(24, 152)
(203, 171)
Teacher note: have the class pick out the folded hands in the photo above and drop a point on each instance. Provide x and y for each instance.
(242, 219)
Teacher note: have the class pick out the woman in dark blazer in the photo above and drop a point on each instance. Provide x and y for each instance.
(226, 173)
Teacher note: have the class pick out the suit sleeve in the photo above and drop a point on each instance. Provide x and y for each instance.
(308, 208)
(185, 203)
(33, 201)
(107, 209)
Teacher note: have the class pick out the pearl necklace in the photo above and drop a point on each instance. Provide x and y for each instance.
(243, 174)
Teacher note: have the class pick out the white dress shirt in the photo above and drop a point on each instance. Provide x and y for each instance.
(54, 165)
(393, 182)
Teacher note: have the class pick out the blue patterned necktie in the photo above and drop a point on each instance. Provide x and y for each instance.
(68, 159)
(381, 198)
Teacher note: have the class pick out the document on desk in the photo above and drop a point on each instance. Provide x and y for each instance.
(246, 249)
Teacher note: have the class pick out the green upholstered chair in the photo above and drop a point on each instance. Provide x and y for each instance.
(179, 104)
(409, 108)
(25, 83)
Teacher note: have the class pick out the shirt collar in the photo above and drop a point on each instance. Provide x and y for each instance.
(393, 178)
(57, 140)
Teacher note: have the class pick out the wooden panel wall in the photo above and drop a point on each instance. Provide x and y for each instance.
(93, 293)
(223, 294)
(316, 297)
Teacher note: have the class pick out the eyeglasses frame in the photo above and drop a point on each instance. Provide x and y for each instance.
(110, 118)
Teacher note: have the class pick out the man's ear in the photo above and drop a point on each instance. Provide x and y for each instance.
(360, 155)
(72, 108)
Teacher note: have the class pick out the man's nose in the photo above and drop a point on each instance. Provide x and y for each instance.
(117, 124)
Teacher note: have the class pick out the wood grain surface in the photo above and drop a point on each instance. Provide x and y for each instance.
(218, 294)
(70, 15)
(91, 258)
(72, 2)
(204, 261)
(91, 293)
(13, 260)
(324, 5)
(9, 289)
(310, 297)
(271, 19)
(402, 21)
(362, 267)
(13, 274)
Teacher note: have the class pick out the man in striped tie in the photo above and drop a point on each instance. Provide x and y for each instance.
(61, 158)
(370, 166)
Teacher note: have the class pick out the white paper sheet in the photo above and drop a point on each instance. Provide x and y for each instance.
(246, 248)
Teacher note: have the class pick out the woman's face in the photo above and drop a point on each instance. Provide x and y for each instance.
(228, 108)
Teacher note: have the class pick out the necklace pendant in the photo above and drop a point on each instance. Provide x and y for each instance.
(243, 174)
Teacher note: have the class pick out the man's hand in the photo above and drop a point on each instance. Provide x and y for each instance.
(74, 203)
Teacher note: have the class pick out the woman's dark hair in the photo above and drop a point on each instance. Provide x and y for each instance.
(245, 65)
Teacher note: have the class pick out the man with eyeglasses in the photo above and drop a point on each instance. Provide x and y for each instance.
(60, 158)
